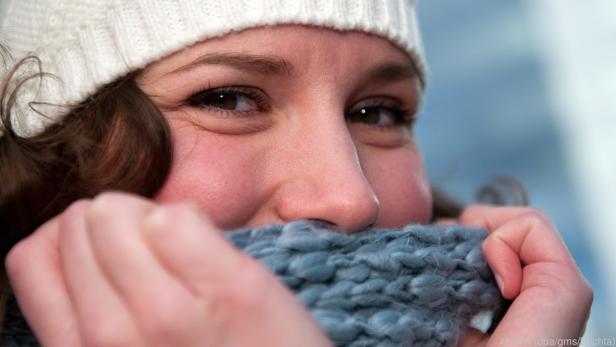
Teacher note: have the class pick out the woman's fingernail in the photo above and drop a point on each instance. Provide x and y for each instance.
(500, 283)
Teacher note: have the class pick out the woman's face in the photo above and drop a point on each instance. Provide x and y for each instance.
(292, 122)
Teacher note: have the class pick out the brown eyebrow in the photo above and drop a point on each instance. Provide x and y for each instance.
(258, 64)
(271, 65)
(392, 72)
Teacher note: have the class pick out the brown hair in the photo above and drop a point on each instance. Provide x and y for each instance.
(117, 139)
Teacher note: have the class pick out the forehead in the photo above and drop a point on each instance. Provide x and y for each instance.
(302, 46)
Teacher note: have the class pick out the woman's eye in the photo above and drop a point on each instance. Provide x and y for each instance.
(231, 99)
(380, 116)
(381, 121)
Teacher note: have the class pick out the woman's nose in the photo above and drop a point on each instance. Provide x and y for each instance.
(324, 180)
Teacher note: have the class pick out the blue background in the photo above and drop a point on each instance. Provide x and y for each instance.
(487, 113)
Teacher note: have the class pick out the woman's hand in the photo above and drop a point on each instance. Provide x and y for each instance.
(551, 297)
(122, 271)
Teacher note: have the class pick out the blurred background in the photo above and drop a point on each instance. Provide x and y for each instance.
(527, 88)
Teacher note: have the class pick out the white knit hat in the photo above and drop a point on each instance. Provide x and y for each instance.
(89, 43)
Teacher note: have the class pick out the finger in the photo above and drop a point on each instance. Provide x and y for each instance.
(35, 272)
(551, 296)
(103, 319)
(157, 301)
(472, 338)
(527, 230)
(524, 240)
(446, 221)
(545, 309)
(505, 265)
(191, 247)
(491, 217)
(239, 292)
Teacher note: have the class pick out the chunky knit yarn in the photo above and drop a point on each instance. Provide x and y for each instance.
(419, 286)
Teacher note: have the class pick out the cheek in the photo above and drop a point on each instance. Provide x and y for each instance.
(210, 171)
(399, 179)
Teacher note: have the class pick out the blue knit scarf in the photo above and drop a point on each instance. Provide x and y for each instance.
(419, 285)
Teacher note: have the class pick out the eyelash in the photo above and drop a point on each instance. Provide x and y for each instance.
(203, 99)
(401, 116)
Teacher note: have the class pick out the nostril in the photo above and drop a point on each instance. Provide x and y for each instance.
(324, 223)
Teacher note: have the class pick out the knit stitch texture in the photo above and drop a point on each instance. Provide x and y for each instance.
(418, 286)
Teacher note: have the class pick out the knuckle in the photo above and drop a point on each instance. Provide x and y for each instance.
(475, 214)
(73, 212)
(17, 259)
(110, 197)
(180, 210)
(109, 200)
(76, 208)
(102, 204)
(471, 210)
(536, 216)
